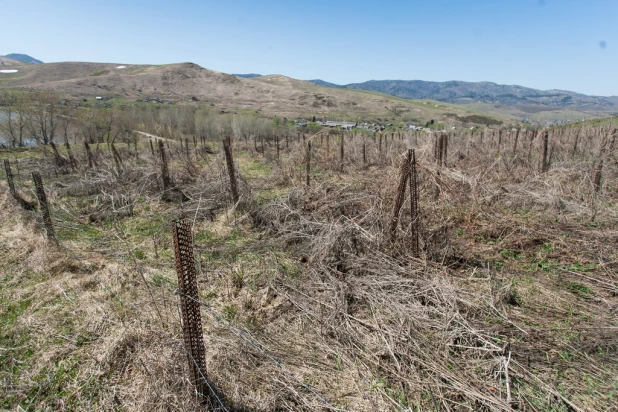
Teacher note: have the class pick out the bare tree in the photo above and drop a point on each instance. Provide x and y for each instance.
(13, 106)
(64, 123)
(119, 125)
(43, 120)
(91, 126)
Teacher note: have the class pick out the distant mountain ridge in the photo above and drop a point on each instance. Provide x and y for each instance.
(24, 58)
(325, 83)
(248, 75)
(460, 92)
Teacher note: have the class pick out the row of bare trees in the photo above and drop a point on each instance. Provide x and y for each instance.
(29, 116)
(41, 117)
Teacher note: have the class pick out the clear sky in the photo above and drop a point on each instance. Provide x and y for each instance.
(544, 44)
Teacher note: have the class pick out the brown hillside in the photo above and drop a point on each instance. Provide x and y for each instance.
(182, 82)
(6, 61)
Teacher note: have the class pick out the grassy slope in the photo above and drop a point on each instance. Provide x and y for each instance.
(179, 82)
(80, 331)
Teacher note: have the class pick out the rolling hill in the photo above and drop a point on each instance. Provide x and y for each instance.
(7, 61)
(188, 82)
(523, 99)
(24, 58)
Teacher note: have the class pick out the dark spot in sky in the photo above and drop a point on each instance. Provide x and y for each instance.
(602, 44)
(542, 2)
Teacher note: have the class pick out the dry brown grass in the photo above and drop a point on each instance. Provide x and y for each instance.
(308, 303)
(273, 95)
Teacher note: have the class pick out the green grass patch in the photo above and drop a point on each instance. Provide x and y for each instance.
(579, 267)
(78, 232)
(255, 169)
(205, 236)
(580, 290)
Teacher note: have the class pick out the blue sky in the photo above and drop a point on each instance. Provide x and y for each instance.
(545, 44)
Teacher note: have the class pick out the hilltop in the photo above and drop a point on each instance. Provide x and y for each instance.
(190, 83)
(24, 58)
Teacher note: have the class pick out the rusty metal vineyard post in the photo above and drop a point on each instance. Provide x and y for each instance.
(117, 158)
(444, 148)
(327, 146)
(441, 149)
(399, 195)
(364, 153)
(91, 161)
(165, 174)
(598, 166)
(515, 143)
(40, 193)
(341, 148)
(440, 154)
(574, 150)
(230, 168)
(414, 215)
(190, 309)
(9, 177)
(72, 159)
(58, 158)
(545, 164)
(308, 163)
